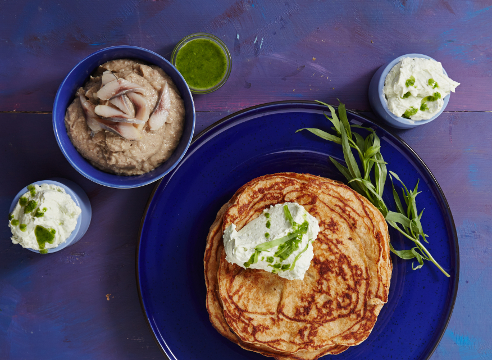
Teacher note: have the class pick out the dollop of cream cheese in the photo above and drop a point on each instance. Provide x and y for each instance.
(241, 245)
(415, 88)
(54, 210)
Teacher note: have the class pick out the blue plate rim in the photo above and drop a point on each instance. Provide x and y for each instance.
(303, 105)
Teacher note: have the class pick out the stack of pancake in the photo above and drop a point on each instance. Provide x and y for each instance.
(336, 304)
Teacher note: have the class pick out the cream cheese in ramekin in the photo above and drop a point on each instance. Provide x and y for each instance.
(415, 88)
(43, 218)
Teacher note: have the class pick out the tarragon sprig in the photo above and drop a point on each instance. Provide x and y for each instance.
(370, 182)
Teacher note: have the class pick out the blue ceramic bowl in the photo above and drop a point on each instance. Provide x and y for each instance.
(378, 101)
(78, 76)
(79, 196)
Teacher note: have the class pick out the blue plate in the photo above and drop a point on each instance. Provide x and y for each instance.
(258, 141)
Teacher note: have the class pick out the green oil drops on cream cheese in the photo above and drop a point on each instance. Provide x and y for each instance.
(410, 112)
(22, 227)
(11, 216)
(43, 236)
(433, 83)
(268, 224)
(32, 190)
(410, 81)
(406, 95)
(40, 213)
(267, 215)
(15, 222)
(267, 235)
(23, 201)
(31, 205)
(253, 259)
(432, 97)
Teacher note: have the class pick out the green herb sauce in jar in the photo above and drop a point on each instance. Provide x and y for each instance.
(202, 63)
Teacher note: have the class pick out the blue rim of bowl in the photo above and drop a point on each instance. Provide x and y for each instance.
(68, 241)
(385, 104)
(308, 103)
(74, 165)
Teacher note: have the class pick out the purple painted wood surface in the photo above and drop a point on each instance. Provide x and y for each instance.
(82, 302)
(281, 49)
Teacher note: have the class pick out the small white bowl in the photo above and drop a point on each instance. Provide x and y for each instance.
(378, 101)
(79, 196)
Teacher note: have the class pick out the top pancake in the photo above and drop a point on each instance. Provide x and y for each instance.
(337, 303)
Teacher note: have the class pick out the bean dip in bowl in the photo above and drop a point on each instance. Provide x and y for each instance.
(124, 117)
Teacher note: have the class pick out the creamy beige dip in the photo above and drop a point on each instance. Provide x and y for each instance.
(109, 151)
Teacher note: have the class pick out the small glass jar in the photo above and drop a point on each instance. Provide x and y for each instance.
(204, 61)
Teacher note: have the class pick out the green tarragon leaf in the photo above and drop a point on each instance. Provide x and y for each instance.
(288, 216)
(288, 247)
(299, 255)
(344, 120)
(253, 259)
(349, 157)
(334, 118)
(324, 135)
(398, 218)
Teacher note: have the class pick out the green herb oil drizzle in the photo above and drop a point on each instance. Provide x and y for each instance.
(32, 189)
(31, 205)
(433, 83)
(43, 236)
(410, 81)
(410, 112)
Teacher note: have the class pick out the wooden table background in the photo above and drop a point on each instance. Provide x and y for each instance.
(82, 303)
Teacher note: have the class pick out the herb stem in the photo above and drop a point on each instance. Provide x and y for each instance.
(421, 246)
(429, 256)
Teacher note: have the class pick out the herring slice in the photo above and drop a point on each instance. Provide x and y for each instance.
(116, 115)
(107, 76)
(116, 88)
(109, 111)
(126, 121)
(161, 111)
(90, 115)
(142, 110)
(124, 104)
(128, 131)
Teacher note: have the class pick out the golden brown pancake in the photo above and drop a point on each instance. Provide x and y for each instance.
(336, 304)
